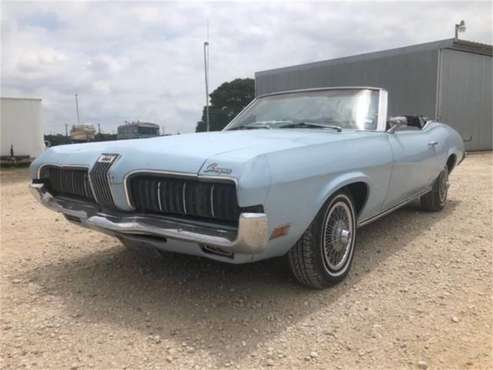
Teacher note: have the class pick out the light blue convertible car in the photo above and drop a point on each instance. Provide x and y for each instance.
(294, 174)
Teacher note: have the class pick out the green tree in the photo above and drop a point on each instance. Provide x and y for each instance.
(226, 102)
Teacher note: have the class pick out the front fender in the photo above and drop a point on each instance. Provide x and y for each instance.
(252, 176)
(339, 182)
(288, 206)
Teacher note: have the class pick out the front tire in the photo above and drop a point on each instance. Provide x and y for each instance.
(323, 255)
(435, 200)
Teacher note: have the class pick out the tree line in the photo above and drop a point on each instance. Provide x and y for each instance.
(226, 102)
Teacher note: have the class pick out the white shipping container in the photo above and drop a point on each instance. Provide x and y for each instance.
(20, 126)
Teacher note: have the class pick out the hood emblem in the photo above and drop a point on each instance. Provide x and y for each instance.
(214, 168)
(107, 158)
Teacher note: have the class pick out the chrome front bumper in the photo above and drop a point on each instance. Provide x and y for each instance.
(250, 237)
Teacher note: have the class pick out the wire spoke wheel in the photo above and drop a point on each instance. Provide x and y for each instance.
(337, 238)
(323, 255)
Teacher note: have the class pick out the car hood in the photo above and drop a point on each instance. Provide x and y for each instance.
(191, 153)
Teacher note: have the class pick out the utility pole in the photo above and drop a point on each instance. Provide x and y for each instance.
(66, 130)
(99, 128)
(77, 108)
(206, 70)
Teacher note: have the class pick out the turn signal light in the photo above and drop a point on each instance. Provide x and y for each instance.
(280, 231)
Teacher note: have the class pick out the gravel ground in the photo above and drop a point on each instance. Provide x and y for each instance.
(419, 295)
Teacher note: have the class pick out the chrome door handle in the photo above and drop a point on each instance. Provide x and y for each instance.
(433, 143)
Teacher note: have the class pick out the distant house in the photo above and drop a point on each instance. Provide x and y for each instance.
(21, 129)
(135, 130)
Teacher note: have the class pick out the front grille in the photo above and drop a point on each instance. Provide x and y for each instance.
(100, 183)
(184, 197)
(67, 181)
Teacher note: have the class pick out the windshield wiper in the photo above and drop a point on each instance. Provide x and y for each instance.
(285, 124)
(259, 124)
(251, 127)
(311, 124)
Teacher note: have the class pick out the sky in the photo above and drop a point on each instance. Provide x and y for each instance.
(144, 60)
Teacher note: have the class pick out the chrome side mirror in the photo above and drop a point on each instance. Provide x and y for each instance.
(395, 123)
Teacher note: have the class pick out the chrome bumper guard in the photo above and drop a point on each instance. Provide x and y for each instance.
(250, 237)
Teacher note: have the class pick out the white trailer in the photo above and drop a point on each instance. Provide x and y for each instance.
(21, 132)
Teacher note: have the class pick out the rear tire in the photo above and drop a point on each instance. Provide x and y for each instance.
(323, 255)
(435, 200)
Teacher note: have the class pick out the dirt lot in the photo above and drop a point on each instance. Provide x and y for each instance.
(419, 295)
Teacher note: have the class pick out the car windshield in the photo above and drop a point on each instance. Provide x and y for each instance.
(338, 109)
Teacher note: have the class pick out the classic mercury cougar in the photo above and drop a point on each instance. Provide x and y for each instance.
(295, 174)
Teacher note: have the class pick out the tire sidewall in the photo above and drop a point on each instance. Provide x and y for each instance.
(444, 173)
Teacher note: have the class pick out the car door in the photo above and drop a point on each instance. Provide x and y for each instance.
(414, 152)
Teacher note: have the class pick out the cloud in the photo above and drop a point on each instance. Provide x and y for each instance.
(143, 60)
(39, 61)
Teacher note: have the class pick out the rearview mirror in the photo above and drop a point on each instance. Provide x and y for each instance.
(395, 122)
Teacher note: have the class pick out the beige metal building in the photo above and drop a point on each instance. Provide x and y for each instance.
(136, 130)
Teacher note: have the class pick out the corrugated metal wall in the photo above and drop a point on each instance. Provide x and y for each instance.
(409, 78)
(411, 75)
(465, 96)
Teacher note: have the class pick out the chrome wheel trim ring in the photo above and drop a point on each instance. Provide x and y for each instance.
(338, 232)
(443, 186)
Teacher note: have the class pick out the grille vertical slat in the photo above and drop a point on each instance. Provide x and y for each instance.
(85, 182)
(222, 194)
(164, 194)
(159, 196)
(67, 181)
(184, 197)
(174, 197)
(99, 179)
(198, 199)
